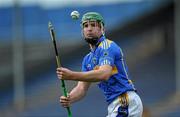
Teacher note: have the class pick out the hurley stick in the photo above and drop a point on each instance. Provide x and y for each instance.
(52, 33)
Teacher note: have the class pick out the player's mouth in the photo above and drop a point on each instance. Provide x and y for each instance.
(90, 35)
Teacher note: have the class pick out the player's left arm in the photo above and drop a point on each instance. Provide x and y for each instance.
(101, 74)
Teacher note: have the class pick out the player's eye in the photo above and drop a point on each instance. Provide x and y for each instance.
(85, 25)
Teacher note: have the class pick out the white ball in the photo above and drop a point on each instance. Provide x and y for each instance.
(75, 15)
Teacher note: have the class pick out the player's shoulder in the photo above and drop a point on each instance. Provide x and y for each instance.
(107, 43)
(87, 56)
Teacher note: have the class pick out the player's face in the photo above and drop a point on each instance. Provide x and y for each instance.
(92, 29)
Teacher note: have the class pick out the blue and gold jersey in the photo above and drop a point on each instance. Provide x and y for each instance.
(108, 52)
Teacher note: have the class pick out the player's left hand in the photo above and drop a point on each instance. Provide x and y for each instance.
(64, 73)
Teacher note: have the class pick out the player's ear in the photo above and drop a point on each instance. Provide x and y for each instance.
(102, 29)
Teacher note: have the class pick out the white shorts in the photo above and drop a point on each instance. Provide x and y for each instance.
(126, 105)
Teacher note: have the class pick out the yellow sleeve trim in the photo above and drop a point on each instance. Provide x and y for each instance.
(114, 70)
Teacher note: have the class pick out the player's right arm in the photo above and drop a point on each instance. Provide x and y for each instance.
(76, 94)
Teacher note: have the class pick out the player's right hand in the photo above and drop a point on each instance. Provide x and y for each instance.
(65, 101)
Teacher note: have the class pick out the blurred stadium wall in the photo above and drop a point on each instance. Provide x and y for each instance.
(147, 30)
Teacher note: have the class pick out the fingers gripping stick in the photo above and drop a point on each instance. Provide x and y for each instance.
(52, 34)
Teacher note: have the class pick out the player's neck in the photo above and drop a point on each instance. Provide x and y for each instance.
(92, 46)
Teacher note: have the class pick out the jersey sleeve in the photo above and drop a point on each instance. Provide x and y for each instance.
(107, 56)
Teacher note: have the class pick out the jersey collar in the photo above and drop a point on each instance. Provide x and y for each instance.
(102, 38)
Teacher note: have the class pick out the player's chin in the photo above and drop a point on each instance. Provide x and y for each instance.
(88, 37)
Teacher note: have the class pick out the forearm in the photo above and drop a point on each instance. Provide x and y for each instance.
(92, 76)
(101, 74)
(76, 95)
